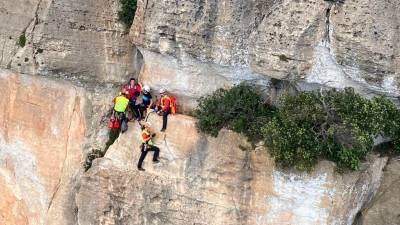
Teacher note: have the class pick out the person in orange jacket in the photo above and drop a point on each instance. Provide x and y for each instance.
(163, 108)
(147, 145)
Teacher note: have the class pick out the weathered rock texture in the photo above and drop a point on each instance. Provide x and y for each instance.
(204, 180)
(385, 207)
(46, 129)
(192, 48)
(42, 129)
(218, 43)
(78, 40)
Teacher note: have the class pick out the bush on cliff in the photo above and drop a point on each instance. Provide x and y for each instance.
(335, 125)
(240, 109)
(21, 40)
(98, 153)
(127, 11)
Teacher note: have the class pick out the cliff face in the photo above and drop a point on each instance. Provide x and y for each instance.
(203, 180)
(336, 44)
(41, 137)
(79, 40)
(384, 207)
(56, 97)
(46, 129)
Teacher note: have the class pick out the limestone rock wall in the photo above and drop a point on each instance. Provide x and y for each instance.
(384, 208)
(47, 127)
(203, 180)
(42, 130)
(76, 40)
(48, 124)
(332, 43)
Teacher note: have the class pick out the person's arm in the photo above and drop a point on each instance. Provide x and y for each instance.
(158, 102)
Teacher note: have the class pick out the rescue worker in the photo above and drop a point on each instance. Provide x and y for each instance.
(147, 146)
(163, 108)
(134, 89)
(120, 104)
(147, 100)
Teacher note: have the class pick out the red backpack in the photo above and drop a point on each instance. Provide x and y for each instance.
(113, 123)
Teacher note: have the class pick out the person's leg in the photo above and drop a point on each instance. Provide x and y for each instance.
(165, 120)
(142, 156)
(132, 108)
(138, 112)
(121, 116)
(156, 153)
(143, 109)
(132, 105)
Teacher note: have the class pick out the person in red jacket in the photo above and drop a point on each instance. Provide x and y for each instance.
(134, 89)
(163, 108)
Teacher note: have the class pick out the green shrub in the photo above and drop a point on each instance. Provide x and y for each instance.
(94, 154)
(335, 125)
(21, 40)
(283, 58)
(127, 12)
(112, 136)
(240, 109)
(98, 153)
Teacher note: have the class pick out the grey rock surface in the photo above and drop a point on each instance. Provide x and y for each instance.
(72, 39)
(331, 43)
(385, 207)
(203, 180)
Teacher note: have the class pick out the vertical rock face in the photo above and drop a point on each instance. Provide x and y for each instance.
(195, 47)
(215, 181)
(16, 16)
(334, 43)
(42, 128)
(192, 48)
(365, 39)
(79, 40)
(384, 208)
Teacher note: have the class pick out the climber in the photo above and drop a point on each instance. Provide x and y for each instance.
(147, 145)
(147, 100)
(134, 89)
(163, 108)
(120, 104)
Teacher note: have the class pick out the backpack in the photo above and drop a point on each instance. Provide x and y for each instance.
(172, 104)
(113, 123)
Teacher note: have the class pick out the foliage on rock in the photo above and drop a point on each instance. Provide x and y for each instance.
(127, 11)
(240, 109)
(21, 40)
(98, 153)
(335, 125)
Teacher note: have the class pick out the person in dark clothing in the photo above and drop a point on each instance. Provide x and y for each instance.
(147, 100)
(147, 146)
(163, 108)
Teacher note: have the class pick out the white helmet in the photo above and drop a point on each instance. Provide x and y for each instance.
(146, 88)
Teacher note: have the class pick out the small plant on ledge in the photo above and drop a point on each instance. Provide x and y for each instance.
(127, 11)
